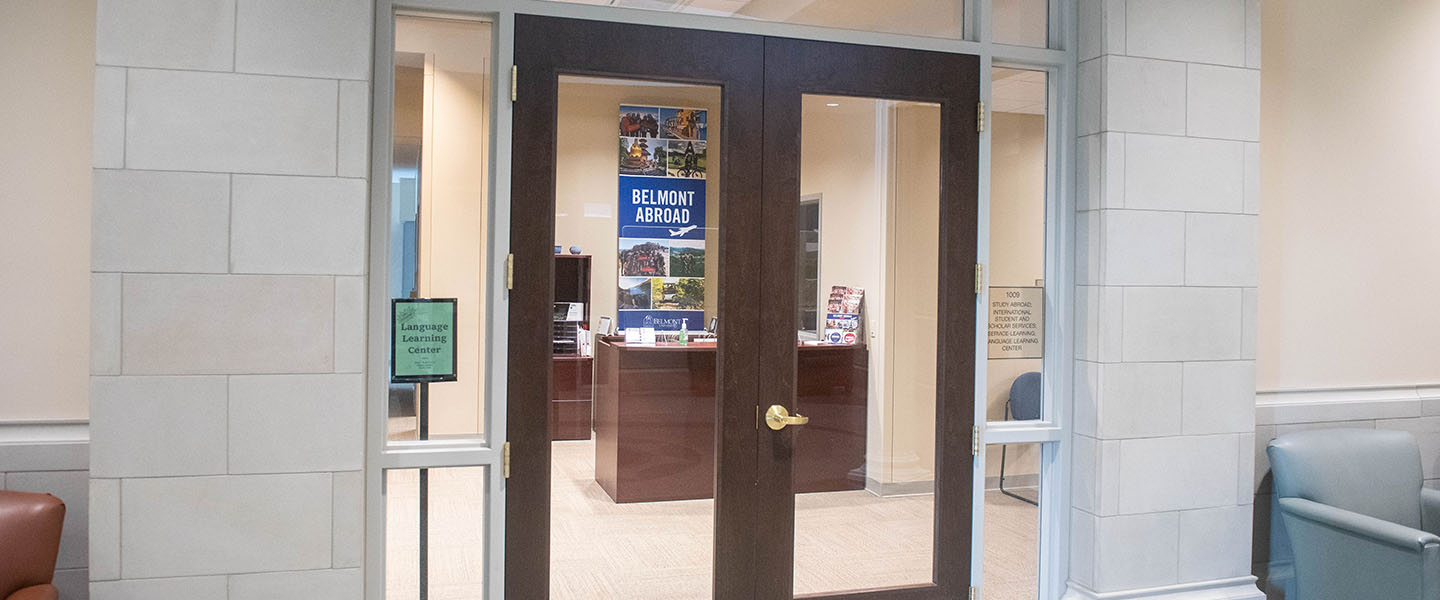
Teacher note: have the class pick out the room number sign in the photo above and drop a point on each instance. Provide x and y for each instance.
(1017, 322)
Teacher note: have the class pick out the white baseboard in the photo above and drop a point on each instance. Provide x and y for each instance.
(1320, 405)
(44, 432)
(1031, 480)
(902, 488)
(44, 446)
(1237, 588)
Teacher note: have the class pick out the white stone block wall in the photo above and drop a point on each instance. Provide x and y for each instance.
(230, 211)
(1166, 266)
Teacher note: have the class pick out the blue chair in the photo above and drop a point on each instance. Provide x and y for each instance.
(1360, 523)
(1022, 405)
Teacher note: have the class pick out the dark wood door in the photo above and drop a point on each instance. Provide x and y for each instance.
(545, 49)
(755, 357)
(794, 69)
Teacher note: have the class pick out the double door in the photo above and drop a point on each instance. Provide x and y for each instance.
(815, 202)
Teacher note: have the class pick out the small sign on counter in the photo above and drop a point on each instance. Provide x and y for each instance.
(1017, 322)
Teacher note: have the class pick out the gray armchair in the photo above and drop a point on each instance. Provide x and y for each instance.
(1361, 525)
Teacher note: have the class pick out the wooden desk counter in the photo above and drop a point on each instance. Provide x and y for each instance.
(655, 419)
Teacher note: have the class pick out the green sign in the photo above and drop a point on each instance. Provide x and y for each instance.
(422, 340)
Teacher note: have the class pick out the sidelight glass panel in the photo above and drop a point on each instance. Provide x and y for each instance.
(865, 463)
(634, 361)
(1016, 310)
(930, 18)
(1012, 523)
(438, 218)
(435, 533)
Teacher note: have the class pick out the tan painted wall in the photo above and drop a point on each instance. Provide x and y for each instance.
(1017, 253)
(912, 260)
(1348, 235)
(587, 179)
(47, 61)
(454, 201)
(838, 160)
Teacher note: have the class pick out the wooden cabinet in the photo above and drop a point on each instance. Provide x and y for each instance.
(570, 380)
(570, 373)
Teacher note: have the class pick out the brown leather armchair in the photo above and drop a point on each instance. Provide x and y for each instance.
(29, 544)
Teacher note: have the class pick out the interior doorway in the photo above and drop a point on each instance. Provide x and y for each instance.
(677, 428)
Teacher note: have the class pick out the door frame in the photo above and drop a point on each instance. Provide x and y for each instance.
(1061, 61)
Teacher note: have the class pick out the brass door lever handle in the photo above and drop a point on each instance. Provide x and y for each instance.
(777, 418)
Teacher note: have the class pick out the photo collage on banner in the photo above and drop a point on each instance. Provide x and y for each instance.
(661, 217)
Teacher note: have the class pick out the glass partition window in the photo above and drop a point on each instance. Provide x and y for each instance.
(808, 275)
(637, 259)
(865, 464)
(1011, 560)
(1021, 22)
(435, 533)
(1017, 318)
(435, 518)
(930, 18)
(1016, 311)
(439, 207)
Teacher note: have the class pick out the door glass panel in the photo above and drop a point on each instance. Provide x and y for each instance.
(1016, 348)
(1021, 22)
(930, 18)
(448, 560)
(1012, 522)
(438, 211)
(864, 465)
(633, 371)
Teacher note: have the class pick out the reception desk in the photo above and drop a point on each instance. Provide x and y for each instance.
(655, 420)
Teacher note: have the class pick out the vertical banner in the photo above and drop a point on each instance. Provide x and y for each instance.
(661, 216)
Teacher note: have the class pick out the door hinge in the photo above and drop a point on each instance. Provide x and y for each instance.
(980, 117)
(979, 278)
(505, 460)
(974, 595)
(975, 440)
(514, 82)
(509, 271)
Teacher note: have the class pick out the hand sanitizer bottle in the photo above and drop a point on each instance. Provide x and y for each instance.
(684, 331)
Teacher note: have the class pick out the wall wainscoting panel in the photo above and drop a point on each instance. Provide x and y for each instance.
(53, 457)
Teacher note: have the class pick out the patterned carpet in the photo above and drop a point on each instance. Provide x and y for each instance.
(662, 550)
